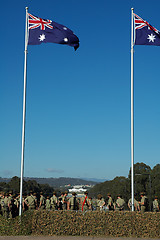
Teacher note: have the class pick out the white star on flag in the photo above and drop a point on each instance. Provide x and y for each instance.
(42, 37)
(151, 37)
(66, 39)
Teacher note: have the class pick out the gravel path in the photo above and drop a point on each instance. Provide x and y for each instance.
(65, 238)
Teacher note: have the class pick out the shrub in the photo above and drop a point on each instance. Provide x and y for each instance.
(110, 224)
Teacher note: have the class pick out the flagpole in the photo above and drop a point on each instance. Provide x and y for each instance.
(24, 112)
(132, 110)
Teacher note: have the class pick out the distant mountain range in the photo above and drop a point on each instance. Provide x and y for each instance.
(60, 182)
(97, 180)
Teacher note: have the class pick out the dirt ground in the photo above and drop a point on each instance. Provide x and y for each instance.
(65, 238)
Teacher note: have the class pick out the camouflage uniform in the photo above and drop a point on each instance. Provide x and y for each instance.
(143, 203)
(48, 204)
(73, 203)
(2, 204)
(35, 199)
(156, 205)
(110, 202)
(54, 202)
(85, 202)
(11, 205)
(136, 204)
(65, 200)
(6, 207)
(42, 202)
(120, 204)
(100, 202)
(90, 203)
(31, 202)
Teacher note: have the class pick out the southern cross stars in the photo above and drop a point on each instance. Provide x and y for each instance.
(65, 39)
(151, 37)
(42, 37)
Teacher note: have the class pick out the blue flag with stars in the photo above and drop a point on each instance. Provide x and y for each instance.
(46, 31)
(145, 34)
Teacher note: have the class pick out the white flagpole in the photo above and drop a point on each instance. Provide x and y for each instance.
(24, 112)
(132, 111)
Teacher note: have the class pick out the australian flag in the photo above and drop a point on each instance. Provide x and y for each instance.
(145, 34)
(44, 31)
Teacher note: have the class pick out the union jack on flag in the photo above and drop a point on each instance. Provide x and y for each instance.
(139, 22)
(145, 34)
(44, 31)
(35, 22)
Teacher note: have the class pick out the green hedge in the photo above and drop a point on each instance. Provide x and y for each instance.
(112, 224)
(16, 226)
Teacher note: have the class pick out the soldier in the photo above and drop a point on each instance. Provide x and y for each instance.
(155, 204)
(100, 202)
(73, 202)
(14, 208)
(60, 201)
(110, 202)
(24, 205)
(48, 203)
(85, 202)
(31, 202)
(2, 204)
(54, 201)
(136, 204)
(143, 203)
(6, 206)
(65, 200)
(11, 205)
(42, 201)
(15, 205)
(36, 202)
(90, 203)
(119, 203)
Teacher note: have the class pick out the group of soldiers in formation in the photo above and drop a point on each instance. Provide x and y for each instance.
(9, 203)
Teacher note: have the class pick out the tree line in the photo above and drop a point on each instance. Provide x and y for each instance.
(145, 180)
(30, 185)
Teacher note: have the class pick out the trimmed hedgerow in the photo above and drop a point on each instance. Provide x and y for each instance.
(17, 226)
(111, 224)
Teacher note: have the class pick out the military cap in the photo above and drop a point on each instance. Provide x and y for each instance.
(142, 193)
(99, 196)
(74, 193)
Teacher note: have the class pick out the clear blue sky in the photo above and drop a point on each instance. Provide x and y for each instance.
(78, 103)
